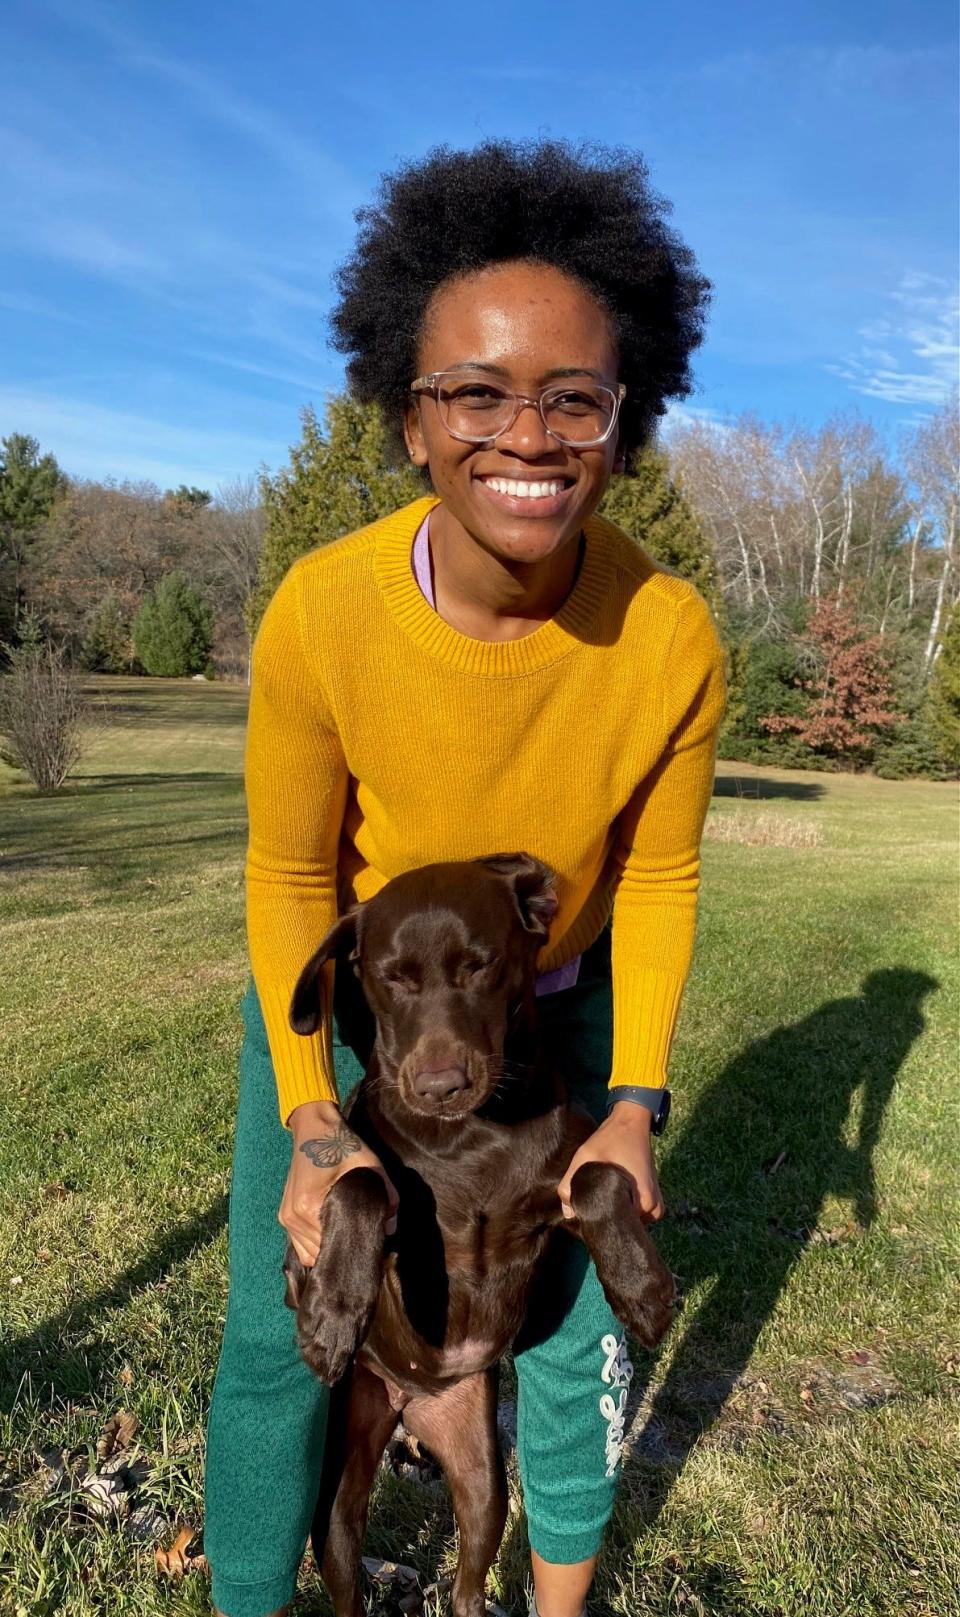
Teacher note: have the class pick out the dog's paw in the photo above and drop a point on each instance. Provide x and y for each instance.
(337, 1298)
(330, 1334)
(638, 1285)
(645, 1299)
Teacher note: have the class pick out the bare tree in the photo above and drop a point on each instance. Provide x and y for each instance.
(796, 515)
(933, 457)
(45, 720)
(236, 529)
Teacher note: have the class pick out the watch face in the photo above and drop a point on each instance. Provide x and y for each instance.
(663, 1112)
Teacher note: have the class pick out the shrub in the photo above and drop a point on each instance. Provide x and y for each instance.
(173, 631)
(45, 720)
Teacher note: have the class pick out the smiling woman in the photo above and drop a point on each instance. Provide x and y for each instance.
(491, 669)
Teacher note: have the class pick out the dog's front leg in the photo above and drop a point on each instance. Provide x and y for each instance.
(459, 1427)
(336, 1299)
(638, 1285)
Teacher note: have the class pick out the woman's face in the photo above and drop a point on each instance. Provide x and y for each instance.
(528, 326)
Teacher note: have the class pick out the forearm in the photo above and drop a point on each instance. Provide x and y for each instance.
(296, 783)
(655, 909)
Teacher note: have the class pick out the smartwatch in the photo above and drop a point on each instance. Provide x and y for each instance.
(657, 1102)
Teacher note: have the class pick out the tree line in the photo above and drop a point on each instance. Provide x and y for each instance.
(833, 568)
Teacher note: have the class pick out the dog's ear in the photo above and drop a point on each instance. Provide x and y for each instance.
(534, 888)
(305, 1006)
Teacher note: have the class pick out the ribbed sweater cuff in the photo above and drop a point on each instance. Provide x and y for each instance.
(303, 1066)
(646, 1006)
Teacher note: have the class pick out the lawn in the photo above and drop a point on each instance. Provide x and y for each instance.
(792, 1448)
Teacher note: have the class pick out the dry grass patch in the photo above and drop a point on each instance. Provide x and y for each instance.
(762, 830)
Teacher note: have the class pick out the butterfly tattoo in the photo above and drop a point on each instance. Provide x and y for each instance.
(329, 1150)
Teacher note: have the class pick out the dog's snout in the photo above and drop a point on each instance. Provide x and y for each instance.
(439, 1083)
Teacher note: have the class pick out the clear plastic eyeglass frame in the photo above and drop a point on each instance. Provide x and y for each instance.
(432, 384)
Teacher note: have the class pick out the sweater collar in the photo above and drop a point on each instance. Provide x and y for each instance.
(574, 622)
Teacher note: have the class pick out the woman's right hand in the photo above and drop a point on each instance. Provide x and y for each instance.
(324, 1148)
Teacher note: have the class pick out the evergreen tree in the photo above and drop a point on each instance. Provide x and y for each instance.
(29, 483)
(945, 692)
(338, 480)
(106, 641)
(173, 631)
(650, 507)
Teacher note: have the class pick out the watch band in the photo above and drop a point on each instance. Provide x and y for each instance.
(657, 1102)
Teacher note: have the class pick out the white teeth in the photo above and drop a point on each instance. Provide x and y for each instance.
(519, 490)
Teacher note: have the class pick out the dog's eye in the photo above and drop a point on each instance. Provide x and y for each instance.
(401, 976)
(470, 968)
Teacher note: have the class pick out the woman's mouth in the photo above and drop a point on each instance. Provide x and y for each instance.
(526, 496)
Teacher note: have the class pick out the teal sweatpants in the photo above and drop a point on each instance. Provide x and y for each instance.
(268, 1413)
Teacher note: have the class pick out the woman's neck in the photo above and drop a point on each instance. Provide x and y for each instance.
(488, 598)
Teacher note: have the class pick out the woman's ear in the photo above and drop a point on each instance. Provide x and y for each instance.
(413, 434)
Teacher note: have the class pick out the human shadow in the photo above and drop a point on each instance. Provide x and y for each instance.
(746, 1179)
(50, 1353)
(762, 787)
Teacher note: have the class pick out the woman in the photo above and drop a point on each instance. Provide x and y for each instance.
(491, 669)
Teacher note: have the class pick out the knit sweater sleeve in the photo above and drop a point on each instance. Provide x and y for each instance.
(658, 856)
(296, 783)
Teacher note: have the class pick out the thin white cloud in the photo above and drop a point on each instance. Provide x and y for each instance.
(845, 70)
(91, 440)
(42, 308)
(911, 355)
(271, 373)
(331, 184)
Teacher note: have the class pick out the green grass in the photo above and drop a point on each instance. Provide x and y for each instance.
(810, 1170)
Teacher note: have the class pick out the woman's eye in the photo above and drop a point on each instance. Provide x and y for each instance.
(573, 403)
(476, 396)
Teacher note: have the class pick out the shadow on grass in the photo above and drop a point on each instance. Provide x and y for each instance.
(762, 787)
(56, 1351)
(84, 785)
(120, 828)
(745, 1181)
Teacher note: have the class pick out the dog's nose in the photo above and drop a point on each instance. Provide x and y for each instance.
(439, 1083)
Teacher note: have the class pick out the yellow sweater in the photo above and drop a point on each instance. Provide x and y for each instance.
(380, 739)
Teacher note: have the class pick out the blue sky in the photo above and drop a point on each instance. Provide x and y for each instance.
(177, 184)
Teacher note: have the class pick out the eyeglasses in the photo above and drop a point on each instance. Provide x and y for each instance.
(477, 410)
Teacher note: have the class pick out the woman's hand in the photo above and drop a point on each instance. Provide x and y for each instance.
(623, 1139)
(324, 1148)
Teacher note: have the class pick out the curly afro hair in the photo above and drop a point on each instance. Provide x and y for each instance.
(588, 211)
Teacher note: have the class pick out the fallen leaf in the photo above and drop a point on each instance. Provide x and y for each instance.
(860, 1357)
(118, 1433)
(184, 1555)
(126, 1376)
(55, 1192)
(806, 1393)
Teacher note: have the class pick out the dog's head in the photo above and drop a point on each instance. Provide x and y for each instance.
(447, 959)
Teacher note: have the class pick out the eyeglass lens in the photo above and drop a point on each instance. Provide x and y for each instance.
(478, 408)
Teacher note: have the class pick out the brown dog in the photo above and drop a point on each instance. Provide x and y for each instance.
(475, 1132)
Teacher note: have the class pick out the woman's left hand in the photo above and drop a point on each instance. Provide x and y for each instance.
(623, 1139)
